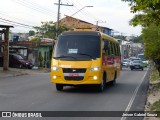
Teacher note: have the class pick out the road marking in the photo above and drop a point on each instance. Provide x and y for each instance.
(133, 96)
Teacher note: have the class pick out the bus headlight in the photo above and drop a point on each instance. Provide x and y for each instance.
(95, 69)
(54, 77)
(95, 77)
(55, 68)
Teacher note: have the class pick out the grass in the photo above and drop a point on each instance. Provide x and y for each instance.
(155, 106)
(155, 78)
(154, 74)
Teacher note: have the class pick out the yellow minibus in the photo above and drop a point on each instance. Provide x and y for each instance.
(85, 58)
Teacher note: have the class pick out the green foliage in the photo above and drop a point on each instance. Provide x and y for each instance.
(40, 59)
(35, 39)
(120, 37)
(151, 38)
(154, 75)
(155, 106)
(149, 18)
(149, 12)
(137, 39)
(48, 30)
(31, 33)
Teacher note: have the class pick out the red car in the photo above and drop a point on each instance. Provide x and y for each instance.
(17, 61)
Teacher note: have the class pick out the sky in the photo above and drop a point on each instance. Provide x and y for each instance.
(113, 14)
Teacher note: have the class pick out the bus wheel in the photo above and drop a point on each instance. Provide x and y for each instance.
(113, 82)
(59, 87)
(102, 86)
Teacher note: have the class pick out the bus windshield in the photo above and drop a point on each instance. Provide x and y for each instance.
(81, 47)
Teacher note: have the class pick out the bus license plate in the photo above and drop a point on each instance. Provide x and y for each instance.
(73, 74)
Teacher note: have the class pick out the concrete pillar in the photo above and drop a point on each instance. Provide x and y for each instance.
(6, 49)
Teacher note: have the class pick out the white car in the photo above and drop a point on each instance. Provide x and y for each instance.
(145, 62)
(125, 62)
(136, 64)
(131, 60)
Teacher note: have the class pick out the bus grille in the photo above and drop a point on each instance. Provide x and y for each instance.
(74, 78)
(74, 70)
(68, 71)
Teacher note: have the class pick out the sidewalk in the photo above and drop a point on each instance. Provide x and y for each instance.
(12, 72)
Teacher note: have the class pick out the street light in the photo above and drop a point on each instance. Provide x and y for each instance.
(81, 9)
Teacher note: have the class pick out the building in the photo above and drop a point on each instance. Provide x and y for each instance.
(73, 23)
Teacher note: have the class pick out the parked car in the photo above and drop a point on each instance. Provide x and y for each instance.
(18, 61)
(136, 64)
(1, 60)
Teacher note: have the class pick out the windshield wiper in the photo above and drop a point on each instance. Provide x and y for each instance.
(86, 55)
(64, 56)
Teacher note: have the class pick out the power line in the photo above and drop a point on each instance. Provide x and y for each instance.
(71, 11)
(32, 7)
(78, 6)
(38, 6)
(16, 22)
(12, 24)
(12, 17)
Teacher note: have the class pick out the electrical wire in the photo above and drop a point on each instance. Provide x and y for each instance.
(23, 3)
(84, 14)
(12, 17)
(16, 22)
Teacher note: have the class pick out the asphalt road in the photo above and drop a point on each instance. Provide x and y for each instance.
(36, 93)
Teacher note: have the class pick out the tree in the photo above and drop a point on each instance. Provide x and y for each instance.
(151, 37)
(149, 12)
(119, 37)
(31, 33)
(48, 30)
(149, 19)
(40, 59)
(137, 39)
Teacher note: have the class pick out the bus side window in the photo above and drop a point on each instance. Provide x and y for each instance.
(105, 47)
(112, 49)
(109, 48)
(116, 50)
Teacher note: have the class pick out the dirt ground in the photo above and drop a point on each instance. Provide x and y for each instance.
(153, 96)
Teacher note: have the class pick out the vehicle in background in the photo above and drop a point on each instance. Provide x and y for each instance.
(144, 60)
(125, 63)
(1, 60)
(132, 59)
(136, 64)
(18, 61)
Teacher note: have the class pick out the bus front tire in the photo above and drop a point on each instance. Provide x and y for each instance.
(59, 87)
(102, 86)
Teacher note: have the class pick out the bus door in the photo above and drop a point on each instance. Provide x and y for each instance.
(108, 59)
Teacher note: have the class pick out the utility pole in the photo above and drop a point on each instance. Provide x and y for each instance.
(99, 22)
(58, 15)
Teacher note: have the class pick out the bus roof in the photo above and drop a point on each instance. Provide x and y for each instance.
(94, 33)
(81, 33)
